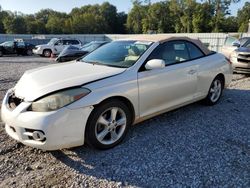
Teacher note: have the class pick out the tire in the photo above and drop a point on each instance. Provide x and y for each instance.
(1, 53)
(47, 53)
(29, 52)
(215, 91)
(104, 131)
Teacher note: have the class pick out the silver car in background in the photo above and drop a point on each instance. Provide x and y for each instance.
(240, 57)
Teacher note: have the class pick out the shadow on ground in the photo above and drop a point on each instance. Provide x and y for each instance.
(193, 146)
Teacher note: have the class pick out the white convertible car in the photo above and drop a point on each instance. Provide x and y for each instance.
(96, 99)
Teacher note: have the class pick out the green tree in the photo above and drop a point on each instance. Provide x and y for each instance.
(135, 17)
(201, 21)
(109, 13)
(229, 24)
(120, 27)
(220, 9)
(243, 16)
(3, 15)
(158, 19)
(14, 24)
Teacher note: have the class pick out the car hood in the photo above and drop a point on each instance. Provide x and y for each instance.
(41, 81)
(43, 46)
(243, 49)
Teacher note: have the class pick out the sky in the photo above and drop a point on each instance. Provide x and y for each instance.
(33, 6)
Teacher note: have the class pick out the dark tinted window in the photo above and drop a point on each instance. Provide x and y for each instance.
(194, 51)
(70, 42)
(75, 42)
(171, 52)
(59, 42)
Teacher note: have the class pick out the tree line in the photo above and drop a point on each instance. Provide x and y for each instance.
(169, 16)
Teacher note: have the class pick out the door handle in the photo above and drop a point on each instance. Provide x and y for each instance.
(192, 71)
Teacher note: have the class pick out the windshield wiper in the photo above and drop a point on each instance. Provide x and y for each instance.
(118, 66)
(94, 63)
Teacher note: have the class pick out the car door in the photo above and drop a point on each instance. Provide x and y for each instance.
(9, 47)
(171, 86)
(59, 46)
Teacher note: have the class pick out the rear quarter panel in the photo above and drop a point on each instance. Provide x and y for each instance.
(210, 66)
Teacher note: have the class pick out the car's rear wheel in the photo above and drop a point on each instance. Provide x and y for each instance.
(108, 125)
(29, 52)
(47, 53)
(1, 53)
(215, 91)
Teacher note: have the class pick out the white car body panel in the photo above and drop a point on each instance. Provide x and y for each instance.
(51, 78)
(150, 93)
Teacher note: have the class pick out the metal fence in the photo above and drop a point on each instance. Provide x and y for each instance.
(214, 40)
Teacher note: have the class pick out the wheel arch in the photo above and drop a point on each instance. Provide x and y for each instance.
(47, 49)
(222, 77)
(123, 99)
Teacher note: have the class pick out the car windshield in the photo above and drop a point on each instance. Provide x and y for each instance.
(118, 54)
(245, 42)
(90, 47)
(52, 41)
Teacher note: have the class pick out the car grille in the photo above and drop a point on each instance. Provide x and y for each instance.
(243, 58)
(14, 101)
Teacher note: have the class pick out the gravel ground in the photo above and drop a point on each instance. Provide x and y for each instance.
(195, 146)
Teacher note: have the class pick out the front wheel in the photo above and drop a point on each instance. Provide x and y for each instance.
(1, 53)
(108, 125)
(215, 91)
(47, 53)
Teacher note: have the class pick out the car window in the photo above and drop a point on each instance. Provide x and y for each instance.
(52, 41)
(171, 52)
(247, 44)
(194, 51)
(75, 42)
(118, 53)
(60, 42)
(20, 44)
(229, 41)
(91, 47)
(8, 44)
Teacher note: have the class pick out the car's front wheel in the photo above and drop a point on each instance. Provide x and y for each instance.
(108, 124)
(47, 53)
(1, 53)
(215, 91)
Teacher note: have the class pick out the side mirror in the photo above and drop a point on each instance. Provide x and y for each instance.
(236, 43)
(155, 64)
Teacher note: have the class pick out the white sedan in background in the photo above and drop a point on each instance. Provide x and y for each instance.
(96, 99)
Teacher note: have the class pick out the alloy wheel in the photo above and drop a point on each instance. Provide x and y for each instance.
(110, 126)
(215, 90)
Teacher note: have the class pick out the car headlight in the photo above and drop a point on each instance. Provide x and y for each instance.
(233, 54)
(58, 100)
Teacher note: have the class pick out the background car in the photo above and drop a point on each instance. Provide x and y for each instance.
(16, 47)
(72, 52)
(240, 57)
(55, 46)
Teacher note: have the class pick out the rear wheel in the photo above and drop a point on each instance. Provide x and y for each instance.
(215, 91)
(1, 53)
(47, 53)
(108, 125)
(29, 52)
